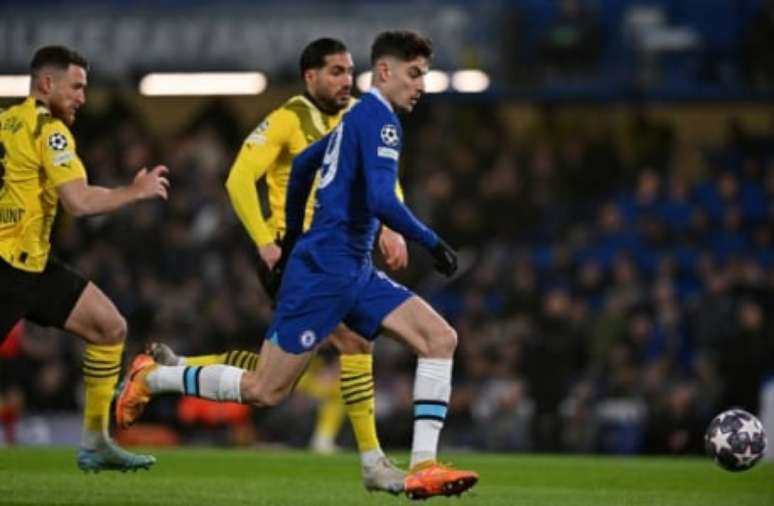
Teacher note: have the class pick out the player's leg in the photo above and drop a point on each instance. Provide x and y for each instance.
(164, 355)
(270, 383)
(357, 391)
(321, 382)
(302, 318)
(79, 307)
(16, 288)
(388, 306)
(356, 381)
(418, 325)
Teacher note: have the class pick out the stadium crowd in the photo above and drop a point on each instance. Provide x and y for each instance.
(606, 303)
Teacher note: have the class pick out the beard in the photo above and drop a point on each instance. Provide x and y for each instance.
(62, 113)
(329, 104)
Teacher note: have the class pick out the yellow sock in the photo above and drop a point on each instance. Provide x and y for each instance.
(310, 383)
(242, 359)
(357, 390)
(330, 418)
(101, 367)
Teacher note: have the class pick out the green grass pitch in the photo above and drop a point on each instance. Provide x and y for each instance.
(192, 477)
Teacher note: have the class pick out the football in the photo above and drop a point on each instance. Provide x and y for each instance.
(735, 439)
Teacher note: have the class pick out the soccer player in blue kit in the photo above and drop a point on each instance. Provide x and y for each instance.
(328, 276)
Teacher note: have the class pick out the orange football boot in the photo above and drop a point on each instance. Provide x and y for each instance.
(429, 478)
(135, 393)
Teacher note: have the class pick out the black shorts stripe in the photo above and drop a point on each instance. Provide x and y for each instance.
(430, 417)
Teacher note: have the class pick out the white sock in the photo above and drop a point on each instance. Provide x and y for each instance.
(432, 389)
(371, 457)
(214, 382)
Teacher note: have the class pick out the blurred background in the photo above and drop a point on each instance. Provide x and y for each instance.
(605, 167)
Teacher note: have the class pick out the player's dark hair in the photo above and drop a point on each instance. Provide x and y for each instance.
(59, 57)
(403, 45)
(313, 55)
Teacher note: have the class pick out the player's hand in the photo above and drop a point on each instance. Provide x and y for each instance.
(393, 248)
(445, 258)
(270, 254)
(153, 184)
(278, 270)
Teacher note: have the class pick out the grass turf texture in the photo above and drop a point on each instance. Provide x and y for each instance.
(192, 477)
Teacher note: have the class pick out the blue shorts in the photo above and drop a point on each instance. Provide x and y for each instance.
(312, 302)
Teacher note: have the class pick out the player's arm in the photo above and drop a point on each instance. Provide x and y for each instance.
(392, 244)
(259, 151)
(66, 171)
(80, 198)
(381, 175)
(302, 173)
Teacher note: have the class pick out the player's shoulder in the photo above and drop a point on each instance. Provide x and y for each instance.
(372, 116)
(54, 132)
(29, 112)
(276, 125)
(370, 108)
(296, 107)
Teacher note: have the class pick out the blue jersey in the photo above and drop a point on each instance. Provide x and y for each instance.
(329, 277)
(358, 163)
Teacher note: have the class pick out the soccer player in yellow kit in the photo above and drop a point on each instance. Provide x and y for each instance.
(39, 168)
(326, 67)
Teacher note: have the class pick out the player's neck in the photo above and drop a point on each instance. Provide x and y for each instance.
(40, 100)
(379, 94)
(329, 111)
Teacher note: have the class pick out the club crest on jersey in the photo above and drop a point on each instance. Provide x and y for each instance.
(57, 141)
(307, 338)
(389, 135)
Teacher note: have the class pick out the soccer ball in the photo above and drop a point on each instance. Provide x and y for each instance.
(735, 439)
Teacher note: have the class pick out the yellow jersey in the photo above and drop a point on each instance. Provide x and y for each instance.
(268, 152)
(37, 154)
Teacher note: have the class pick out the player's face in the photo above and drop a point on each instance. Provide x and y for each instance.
(406, 82)
(68, 93)
(331, 85)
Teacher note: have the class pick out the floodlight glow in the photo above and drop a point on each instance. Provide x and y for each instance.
(14, 86)
(436, 81)
(203, 83)
(470, 81)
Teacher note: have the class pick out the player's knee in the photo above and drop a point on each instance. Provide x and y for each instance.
(447, 341)
(115, 331)
(263, 395)
(274, 396)
(441, 342)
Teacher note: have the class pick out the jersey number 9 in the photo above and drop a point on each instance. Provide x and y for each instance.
(331, 159)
